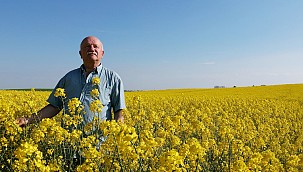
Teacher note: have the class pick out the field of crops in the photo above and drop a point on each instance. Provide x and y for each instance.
(226, 129)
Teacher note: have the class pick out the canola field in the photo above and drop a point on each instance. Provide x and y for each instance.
(227, 129)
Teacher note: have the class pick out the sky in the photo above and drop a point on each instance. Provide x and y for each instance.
(155, 44)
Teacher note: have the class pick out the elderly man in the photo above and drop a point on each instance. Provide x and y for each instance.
(78, 84)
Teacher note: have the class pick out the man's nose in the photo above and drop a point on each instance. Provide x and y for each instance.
(91, 47)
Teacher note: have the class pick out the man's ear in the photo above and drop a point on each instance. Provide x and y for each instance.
(80, 54)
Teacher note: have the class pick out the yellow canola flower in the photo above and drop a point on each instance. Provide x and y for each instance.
(95, 93)
(96, 81)
(29, 158)
(292, 162)
(74, 104)
(75, 135)
(60, 92)
(254, 162)
(240, 165)
(89, 142)
(91, 154)
(232, 129)
(171, 161)
(96, 106)
(26, 150)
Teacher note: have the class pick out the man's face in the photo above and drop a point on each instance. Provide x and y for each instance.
(91, 51)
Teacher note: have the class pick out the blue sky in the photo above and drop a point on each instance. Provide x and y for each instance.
(155, 44)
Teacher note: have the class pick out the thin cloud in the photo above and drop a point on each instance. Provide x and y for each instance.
(208, 63)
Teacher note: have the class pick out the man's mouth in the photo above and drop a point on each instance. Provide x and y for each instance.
(89, 53)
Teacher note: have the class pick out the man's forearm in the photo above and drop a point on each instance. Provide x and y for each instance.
(48, 111)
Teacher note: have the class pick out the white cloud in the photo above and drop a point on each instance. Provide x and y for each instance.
(207, 63)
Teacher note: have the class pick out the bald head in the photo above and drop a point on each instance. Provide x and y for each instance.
(91, 52)
(97, 40)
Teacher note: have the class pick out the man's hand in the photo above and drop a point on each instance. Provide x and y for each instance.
(119, 115)
(48, 111)
(22, 122)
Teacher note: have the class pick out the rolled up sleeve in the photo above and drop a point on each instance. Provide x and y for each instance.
(117, 96)
(56, 101)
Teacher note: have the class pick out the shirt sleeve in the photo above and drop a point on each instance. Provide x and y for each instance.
(117, 96)
(56, 101)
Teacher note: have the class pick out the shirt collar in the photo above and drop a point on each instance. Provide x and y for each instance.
(97, 70)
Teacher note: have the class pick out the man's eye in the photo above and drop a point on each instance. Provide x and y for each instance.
(90, 46)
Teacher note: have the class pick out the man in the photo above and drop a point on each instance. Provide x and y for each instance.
(78, 84)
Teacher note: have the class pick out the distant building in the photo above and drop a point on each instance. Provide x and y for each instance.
(219, 86)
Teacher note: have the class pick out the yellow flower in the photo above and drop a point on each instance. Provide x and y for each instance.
(50, 151)
(171, 160)
(96, 106)
(239, 165)
(29, 158)
(293, 161)
(96, 81)
(73, 105)
(76, 134)
(94, 92)
(60, 92)
(243, 129)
